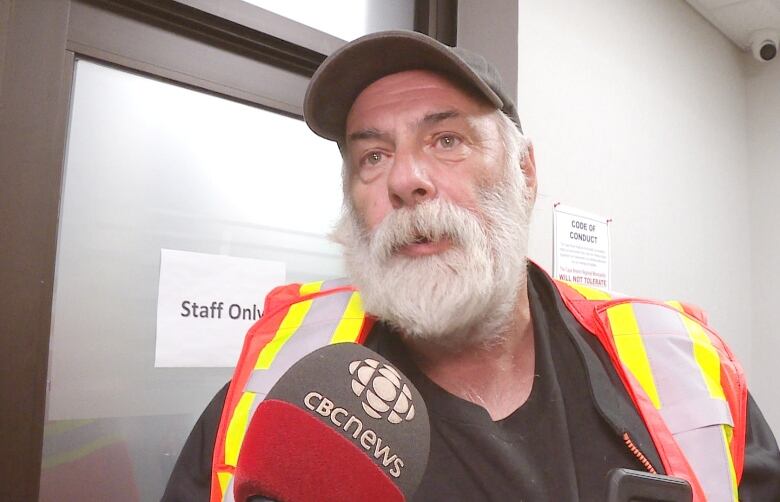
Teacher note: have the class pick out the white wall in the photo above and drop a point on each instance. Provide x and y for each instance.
(638, 112)
(643, 112)
(763, 91)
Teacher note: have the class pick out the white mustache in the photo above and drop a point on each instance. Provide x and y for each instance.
(432, 220)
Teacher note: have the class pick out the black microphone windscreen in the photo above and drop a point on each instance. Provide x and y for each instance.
(341, 424)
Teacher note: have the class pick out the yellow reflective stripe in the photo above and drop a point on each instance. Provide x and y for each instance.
(589, 293)
(289, 325)
(631, 348)
(87, 449)
(675, 305)
(706, 357)
(310, 287)
(224, 481)
(59, 427)
(728, 433)
(349, 326)
(237, 428)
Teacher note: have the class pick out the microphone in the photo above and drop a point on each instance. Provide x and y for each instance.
(341, 424)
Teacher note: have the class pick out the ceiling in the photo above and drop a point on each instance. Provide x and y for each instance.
(737, 19)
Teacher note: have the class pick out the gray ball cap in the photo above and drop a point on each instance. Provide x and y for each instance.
(345, 73)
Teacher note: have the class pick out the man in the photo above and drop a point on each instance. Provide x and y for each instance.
(529, 398)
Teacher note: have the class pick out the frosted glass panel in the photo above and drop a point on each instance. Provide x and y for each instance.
(151, 165)
(345, 19)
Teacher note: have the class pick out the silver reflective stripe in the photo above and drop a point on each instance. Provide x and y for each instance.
(670, 351)
(335, 283)
(315, 331)
(259, 398)
(693, 416)
(697, 413)
(229, 492)
(261, 381)
(711, 466)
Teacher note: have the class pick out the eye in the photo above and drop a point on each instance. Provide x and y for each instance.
(447, 141)
(373, 158)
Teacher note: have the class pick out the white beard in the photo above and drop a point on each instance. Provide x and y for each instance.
(462, 297)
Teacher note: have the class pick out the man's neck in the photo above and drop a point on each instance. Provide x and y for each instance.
(498, 377)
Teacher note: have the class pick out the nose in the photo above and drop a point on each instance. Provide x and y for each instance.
(408, 183)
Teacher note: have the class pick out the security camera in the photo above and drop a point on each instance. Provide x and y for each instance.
(764, 44)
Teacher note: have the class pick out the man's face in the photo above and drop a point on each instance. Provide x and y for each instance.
(435, 230)
(412, 137)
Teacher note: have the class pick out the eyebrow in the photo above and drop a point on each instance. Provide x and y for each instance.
(435, 118)
(370, 133)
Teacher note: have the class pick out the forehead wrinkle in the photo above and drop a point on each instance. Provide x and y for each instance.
(474, 121)
(437, 117)
(431, 118)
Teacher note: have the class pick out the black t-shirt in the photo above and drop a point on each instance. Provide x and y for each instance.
(556, 446)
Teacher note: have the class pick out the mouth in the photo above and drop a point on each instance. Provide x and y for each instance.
(425, 246)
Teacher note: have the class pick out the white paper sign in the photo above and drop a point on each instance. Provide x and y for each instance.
(205, 305)
(581, 247)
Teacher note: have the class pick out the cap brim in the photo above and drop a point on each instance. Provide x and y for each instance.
(343, 76)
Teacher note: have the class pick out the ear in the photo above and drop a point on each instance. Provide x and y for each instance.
(529, 169)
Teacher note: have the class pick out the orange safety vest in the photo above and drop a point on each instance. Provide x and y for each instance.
(683, 380)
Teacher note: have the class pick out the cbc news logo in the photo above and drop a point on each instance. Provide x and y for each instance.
(383, 393)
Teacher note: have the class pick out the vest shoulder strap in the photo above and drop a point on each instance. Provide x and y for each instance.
(297, 319)
(684, 381)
